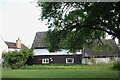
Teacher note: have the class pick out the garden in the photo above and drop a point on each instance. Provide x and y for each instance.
(62, 71)
(14, 68)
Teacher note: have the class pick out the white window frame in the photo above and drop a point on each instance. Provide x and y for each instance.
(44, 60)
(68, 59)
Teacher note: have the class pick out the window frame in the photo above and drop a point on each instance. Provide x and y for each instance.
(44, 61)
(69, 62)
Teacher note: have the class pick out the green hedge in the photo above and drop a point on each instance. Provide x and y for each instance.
(116, 65)
(16, 59)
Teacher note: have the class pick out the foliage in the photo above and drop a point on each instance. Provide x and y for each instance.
(116, 65)
(100, 49)
(52, 41)
(76, 24)
(16, 59)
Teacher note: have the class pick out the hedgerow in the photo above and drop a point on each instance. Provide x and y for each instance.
(16, 59)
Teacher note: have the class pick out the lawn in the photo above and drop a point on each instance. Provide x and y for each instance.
(62, 71)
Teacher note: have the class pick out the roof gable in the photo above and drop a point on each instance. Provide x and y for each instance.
(89, 52)
(39, 40)
(13, 45)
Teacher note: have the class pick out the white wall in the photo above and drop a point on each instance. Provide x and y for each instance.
(102, 60)
(3, 47)
(99, 60)
(11, 49)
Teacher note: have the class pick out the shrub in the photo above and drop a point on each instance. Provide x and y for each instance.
(16, 59)
(116, 65)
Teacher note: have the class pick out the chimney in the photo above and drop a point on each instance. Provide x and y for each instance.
(18, 43)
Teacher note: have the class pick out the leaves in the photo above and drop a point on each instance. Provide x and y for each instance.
(76, 24)
(16, 59)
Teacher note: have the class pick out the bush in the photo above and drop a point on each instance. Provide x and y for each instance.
(116, 65)
(16, 59)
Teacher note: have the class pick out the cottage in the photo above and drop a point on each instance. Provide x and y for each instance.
(12, 46)
(90, 56)
(6, 46)
(43, 56)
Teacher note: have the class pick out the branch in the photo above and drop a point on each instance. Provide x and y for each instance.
(91, 27)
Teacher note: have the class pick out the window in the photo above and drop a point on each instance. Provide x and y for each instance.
(69, 60)
(46, 60)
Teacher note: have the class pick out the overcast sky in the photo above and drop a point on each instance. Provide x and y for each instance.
(19, 18)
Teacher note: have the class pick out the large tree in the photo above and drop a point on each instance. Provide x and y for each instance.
(75, 24)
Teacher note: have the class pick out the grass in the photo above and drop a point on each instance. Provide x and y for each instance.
(67, 66)
(62, 71)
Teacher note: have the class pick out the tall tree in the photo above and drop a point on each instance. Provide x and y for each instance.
(76, 24)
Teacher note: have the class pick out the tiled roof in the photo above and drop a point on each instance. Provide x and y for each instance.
(13, 45)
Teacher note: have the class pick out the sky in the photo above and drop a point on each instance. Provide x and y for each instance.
(19, 18)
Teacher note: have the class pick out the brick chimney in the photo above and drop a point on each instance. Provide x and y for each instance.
(18, 43)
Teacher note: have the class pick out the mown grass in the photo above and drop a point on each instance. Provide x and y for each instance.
(67, 66)
(63, 71)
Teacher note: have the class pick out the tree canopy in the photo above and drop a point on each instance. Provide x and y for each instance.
(75, 24)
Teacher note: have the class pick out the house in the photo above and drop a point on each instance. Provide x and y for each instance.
(43, 56)
(12, 46)
(6, 46)
(90, 56)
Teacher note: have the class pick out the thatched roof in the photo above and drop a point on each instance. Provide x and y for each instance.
(89, 52)
(39, 40)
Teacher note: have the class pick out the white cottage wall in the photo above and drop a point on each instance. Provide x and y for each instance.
(99, 60)
(11, 49)
(102, 60)
(3, 47)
